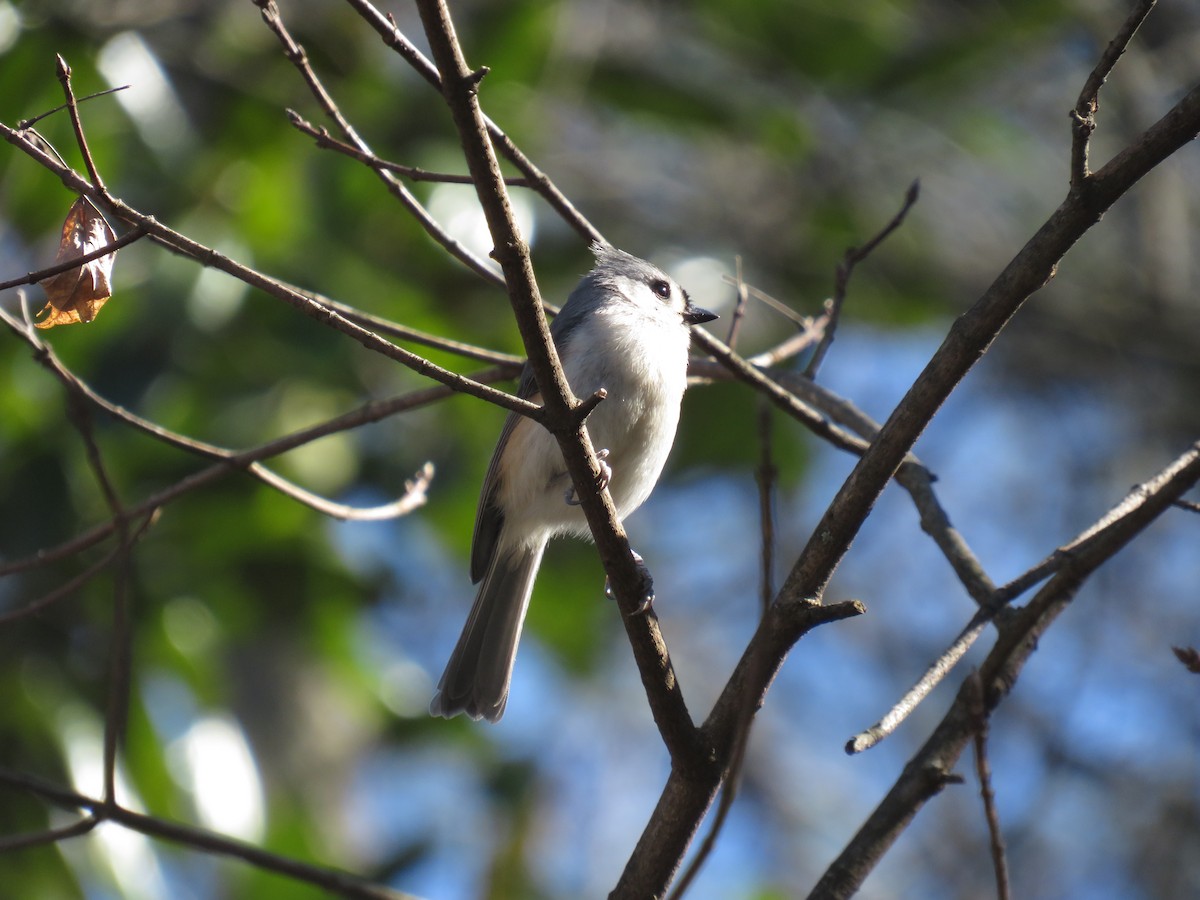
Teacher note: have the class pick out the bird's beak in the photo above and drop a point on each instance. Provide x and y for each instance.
(694, 315)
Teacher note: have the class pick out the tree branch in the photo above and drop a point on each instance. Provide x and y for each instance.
(296, 55)
(689, 791)
(1019, 636)
(369, 412)
(305, 303)
(322, 138)
(657, 858)
(413, 497)
(972, 333)
(343, 884)
(385, 26)
(983, 772)
(75, 262)
(1083, 114)
(845, 269)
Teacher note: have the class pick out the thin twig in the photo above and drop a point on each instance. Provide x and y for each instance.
(386, 28)
(370, 412)
(932, 677)
(778, 305)
(845, 269)
(689, 792)
(765, 476)
(120, 665)
(326, 141)
(983, 771)
(814, 400)
(739, 307)
(1083, 114)
(294, 52)
(412, 498)
(14, 842)
(729, 789)
(64, 77)
(185, 246)
(999, 672)
(991, 606)
(26, 124)
(335, 881)
(780, 396)
(404, 332)
(811, 330)
(117, 711)
(70, 587)
(75, 262)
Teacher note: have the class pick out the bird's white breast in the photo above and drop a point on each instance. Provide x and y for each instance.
(641, 361)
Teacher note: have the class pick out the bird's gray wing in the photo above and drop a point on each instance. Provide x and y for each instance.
(489, 518)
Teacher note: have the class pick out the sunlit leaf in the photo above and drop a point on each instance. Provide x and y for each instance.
(77, 294)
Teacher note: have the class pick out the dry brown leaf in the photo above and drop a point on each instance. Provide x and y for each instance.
(77, 294)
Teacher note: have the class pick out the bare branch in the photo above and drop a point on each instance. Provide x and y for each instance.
(75, 262)
(932, 677)
(970, 336)
(120, 649)
(296, 55)
(64, 78)
(413, 497)
(923, 776)
(1083, 115)
(336, 881)
(777, 394)
(26, 124)
(369, 412)
(70, 587)
(206, 256)
(845, 269)
(16, 842)
(739, 308)
(689, 792)
(404, 332)
(983, 771)
(325, 141)
(385, 26)
(765, 476)
(669, 830)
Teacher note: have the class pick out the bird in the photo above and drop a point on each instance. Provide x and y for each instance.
(624, 330)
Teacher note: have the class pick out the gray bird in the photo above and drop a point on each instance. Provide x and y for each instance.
(625, 328)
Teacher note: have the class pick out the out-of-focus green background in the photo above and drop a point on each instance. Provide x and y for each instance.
(282, 662)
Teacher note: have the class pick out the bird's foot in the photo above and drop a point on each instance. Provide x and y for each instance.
(572, 499)
(647, 587)
(605, 469)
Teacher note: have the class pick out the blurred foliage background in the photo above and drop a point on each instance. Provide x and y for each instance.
(282, 662)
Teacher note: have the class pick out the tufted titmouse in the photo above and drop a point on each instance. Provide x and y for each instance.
(625, 329)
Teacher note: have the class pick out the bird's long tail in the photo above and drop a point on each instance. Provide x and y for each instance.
(478, 674)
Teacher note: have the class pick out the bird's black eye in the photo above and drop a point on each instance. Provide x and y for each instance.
(662, 288)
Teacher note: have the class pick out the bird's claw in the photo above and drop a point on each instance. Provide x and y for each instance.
(647, 601)
(605, 469)
(569, 495)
